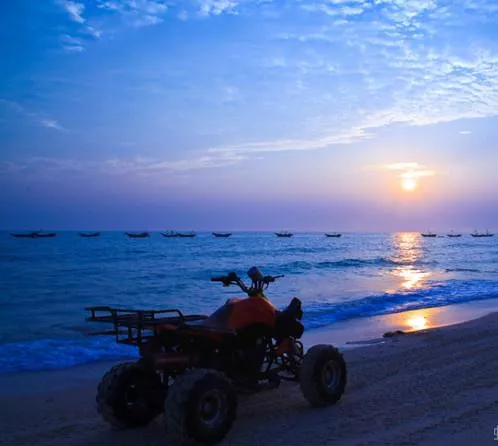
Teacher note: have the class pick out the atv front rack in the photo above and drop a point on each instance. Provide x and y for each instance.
(132, 327)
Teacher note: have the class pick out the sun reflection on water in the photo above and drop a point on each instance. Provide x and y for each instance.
(418, 322)
(407, 247)
(407, 251)
(411, 278)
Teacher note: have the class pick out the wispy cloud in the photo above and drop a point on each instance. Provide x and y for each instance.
(74, 9)
(409, 170)
(217, 7)
(400, 166)
(72, 44)
(51, 124)
(284, 145)
(135, 166)
(137, 13)
(39, 118)
(328, 73)
(231, 94)
(465, 132)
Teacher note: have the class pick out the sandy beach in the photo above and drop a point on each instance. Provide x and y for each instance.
(431, 387)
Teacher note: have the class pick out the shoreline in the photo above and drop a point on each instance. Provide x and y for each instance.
(370, 330)
(432, 386)
(348, 334)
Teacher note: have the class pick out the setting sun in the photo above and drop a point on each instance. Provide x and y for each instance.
(408, 184)
(410, 176)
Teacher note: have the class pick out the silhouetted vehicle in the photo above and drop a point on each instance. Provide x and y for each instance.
(222, 234)
(284, 234)
(334, 234)
(193, 367)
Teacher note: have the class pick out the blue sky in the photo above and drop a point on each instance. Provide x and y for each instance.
(248, 114)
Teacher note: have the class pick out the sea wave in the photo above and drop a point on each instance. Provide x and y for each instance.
(300, 265)
(43, 354)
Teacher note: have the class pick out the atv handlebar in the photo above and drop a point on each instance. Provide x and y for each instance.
(259, 282)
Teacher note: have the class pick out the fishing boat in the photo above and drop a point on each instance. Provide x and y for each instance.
(137, 234)
(222, 234)
(24, 235)
(35, 234)
(333, 234)
(453, 234)
(169, 234)
(45, 235)
(429, 234)
(482, 234)
(284, 234)
(89, 234)
(186, 234)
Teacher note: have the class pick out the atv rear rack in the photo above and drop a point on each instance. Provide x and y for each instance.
(132, 327)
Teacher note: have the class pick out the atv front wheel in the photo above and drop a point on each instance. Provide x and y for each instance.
(323, 375)
(130, 395)
(201, 406)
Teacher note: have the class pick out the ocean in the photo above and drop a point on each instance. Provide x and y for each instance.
(46, 283)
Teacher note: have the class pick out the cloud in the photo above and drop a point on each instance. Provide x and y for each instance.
(72, 44)
(231, 94)
(410, 62)
(39, 118)
(136, 13)
(401, 166)
(137, 166)
(407, 170)
(286, 145)
(334, 72)
(74, 9)
(217, 7)
(51, 124)
(417, 174)
(96, 33)
(465, 132)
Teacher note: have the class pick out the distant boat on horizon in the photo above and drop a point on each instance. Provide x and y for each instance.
(482, 234)
(453, 234)
(333, 234)
(34, 234)
(169, 234)
(186, 234)
(284, 234)
(222, 234)
(89, 234)
(137, 234)
(429, 234)
(24, 235)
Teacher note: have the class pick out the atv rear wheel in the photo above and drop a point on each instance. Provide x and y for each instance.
(201, 406)
(323, 375)
(130, 395)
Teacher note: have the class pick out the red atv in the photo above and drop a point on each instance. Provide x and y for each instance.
(192, 367)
